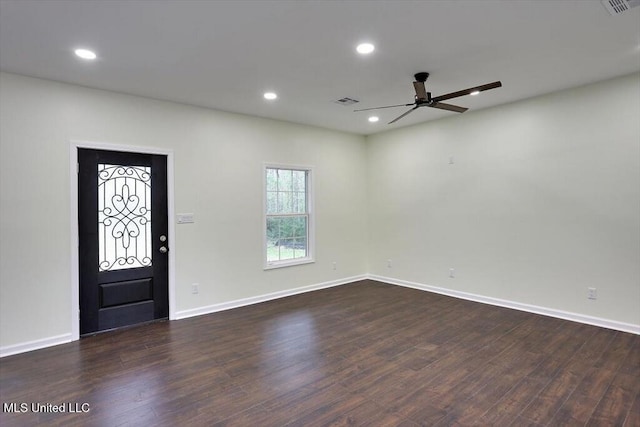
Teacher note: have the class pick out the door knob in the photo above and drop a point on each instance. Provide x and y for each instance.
(163, 250)
(163, 238)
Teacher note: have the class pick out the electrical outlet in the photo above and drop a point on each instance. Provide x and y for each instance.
(452, 273)
(335, 265)
(389, 263)
(195, 288)
(592, 293)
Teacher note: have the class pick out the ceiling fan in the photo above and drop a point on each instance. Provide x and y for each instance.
(424, 99)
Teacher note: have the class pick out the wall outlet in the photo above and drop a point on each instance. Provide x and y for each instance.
(592, 293)
(335, 265)
(389, 263)
(452, 273)
(195, 288)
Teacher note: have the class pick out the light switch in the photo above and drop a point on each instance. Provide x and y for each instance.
(186, 218)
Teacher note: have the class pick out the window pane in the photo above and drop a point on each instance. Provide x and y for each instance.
(300, 248)
(285, 202)
(300, 202)
(273, 252)
(272, 202)
(286, 238)
(287, 227)
(299, 180)
(286, 191)
(272, 180)
(124, 217)
(299, 227)
(284, 179)
(273, 230)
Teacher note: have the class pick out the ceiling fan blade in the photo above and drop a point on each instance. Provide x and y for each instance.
(449, 107)
(467, 91)
(421, 92)
(388, 106)
(402, 115)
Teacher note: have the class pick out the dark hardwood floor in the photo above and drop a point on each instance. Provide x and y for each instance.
(361, 354)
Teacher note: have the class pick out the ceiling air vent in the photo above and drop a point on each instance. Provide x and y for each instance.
(346, 101)
(616, 7)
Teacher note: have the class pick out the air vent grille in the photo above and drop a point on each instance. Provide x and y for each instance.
(346, 101)
(616, 7)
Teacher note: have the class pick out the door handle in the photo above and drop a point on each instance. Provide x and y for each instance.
(163, 249)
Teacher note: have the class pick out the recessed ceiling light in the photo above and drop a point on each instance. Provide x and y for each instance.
(373, 119)
(270, 96)
(85, 54)
(365, 48)
(474, 93)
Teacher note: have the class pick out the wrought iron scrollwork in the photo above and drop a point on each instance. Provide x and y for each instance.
(124, 216)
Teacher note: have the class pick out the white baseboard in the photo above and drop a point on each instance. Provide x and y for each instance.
(34, 345)
(575, 317)
(266, 297)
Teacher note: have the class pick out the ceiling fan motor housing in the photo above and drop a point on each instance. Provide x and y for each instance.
(421, 77)
(424, 101)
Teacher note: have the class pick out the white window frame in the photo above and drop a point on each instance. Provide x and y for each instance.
(310, 258)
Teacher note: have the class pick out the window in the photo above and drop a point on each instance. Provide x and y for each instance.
(288, 221)
(124, 216)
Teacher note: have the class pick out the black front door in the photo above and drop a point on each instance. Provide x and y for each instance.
(123, 239)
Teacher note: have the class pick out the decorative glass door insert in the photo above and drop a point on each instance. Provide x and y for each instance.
(124, 217)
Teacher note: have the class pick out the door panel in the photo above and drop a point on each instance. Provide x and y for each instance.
(113, 294)
(122, 220)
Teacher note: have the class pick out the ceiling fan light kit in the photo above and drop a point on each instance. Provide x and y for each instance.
(424, 99)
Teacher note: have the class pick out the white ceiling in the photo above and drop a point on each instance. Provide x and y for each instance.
(226, 54)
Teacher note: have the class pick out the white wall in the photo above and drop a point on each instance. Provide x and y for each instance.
(542, 201)
(218, 176)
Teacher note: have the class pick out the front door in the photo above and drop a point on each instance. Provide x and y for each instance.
(123, 231)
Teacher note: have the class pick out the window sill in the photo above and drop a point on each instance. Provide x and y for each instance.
(288, 263)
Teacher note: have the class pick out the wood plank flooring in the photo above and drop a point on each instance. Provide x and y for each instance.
(367, 354)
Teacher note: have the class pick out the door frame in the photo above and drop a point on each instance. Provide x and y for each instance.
(73, 182)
